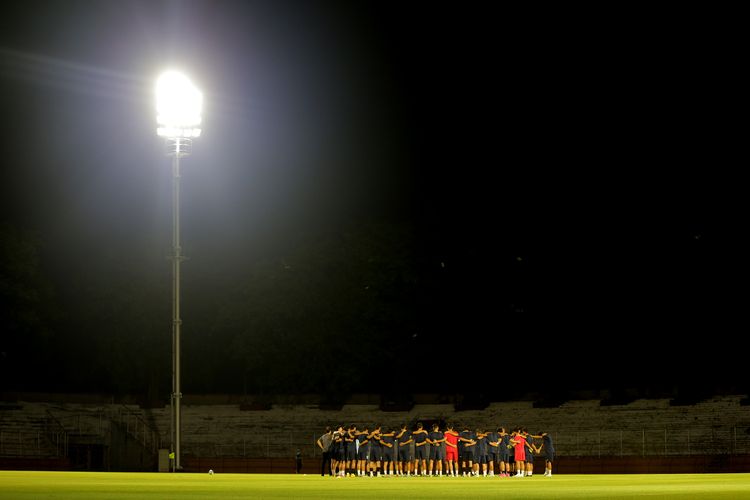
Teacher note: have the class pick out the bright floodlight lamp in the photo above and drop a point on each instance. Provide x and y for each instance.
(178, 104)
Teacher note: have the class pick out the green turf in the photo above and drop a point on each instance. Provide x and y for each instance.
(102, 485)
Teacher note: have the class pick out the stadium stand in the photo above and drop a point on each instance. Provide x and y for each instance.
(106, 435)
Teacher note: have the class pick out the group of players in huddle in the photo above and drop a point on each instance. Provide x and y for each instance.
(361, 452)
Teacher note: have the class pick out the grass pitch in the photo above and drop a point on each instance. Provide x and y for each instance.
(19, 485)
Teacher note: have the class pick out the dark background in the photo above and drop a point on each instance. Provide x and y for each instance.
(385, 198)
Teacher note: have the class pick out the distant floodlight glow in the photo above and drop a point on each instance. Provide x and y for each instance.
(178, 106)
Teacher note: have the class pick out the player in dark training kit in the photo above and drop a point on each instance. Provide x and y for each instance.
(387, 440)
(549, 453)
(437, 453)
(404, 451)
(420, 449)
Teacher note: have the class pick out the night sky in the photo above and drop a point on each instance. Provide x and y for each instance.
(549, 198)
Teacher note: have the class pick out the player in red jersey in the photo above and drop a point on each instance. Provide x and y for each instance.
(519, 444)
(451, 450)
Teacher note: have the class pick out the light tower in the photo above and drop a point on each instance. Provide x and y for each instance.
(178, 105)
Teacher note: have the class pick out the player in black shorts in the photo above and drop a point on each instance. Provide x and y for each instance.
(437, 451)
(503, 449)
(338, 461)
(363, 451)
(530, 450)
(480, 454)
(375, 450)
(549, 453)
(387, 440)
(404, 451)
(469, 439)
(351, 450)
(492, 458)
(420, 449)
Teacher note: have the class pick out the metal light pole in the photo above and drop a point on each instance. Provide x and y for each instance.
(179, 105)
(176, 148)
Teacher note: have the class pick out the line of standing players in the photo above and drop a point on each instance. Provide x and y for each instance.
(365, 452)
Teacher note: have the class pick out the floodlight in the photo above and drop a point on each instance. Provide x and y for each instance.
(178, 105)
